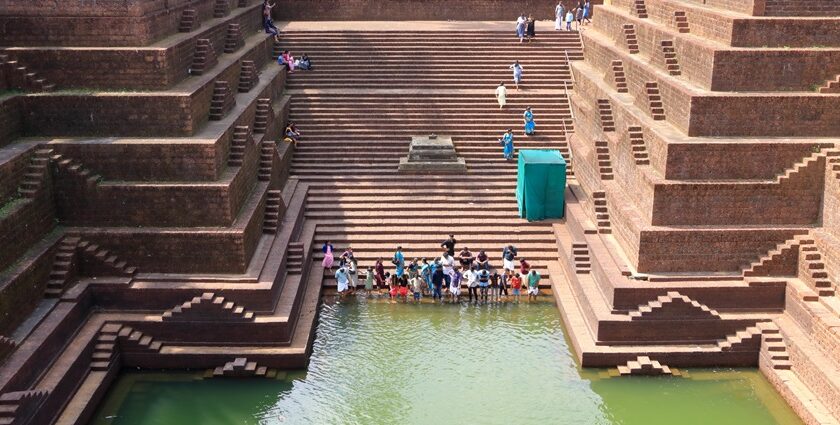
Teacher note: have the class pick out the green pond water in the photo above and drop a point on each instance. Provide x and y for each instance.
(381, 363)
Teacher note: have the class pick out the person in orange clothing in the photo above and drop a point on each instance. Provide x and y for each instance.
(516, 286)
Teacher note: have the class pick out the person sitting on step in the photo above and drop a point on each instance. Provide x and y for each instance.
(482, 261)
(466, 258)
(287, 59)
(304, 63)
(292, 134)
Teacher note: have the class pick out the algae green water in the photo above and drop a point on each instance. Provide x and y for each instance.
(381, 363)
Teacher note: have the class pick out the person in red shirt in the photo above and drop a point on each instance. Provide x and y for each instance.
(516, 286)
(524, 267)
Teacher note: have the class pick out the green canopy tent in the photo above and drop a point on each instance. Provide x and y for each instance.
(541, 184)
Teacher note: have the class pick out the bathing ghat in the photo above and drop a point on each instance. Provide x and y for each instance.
(151, 217)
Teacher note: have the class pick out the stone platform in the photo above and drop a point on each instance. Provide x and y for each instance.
(432, 155)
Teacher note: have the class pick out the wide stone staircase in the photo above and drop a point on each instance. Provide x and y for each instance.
(370, 92)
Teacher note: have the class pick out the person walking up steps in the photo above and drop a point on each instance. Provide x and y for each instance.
(530, 125)
(517, 73)
(501, 95)
(507, 143)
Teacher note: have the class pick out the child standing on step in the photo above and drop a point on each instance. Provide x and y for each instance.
(393, 292)
(417, 285)
(516, 286)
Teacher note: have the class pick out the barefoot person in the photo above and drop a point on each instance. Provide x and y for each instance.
(342, 280)
(501, 95)
(530, 125)
(369, 281)
(517, 73)
(268, 23)
(328, 255)
(516, 287)
(559, 14)
(533, 285)
(507, 144)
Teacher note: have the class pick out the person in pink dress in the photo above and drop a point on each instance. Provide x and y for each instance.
(328, 255)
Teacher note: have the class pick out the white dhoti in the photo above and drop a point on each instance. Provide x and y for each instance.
(501, 96)
(509, 265)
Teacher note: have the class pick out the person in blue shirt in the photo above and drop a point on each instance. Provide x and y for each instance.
(530, 125)
(399, 262)
(507, 143)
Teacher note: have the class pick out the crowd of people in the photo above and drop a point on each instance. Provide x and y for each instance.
(579, 15)
(441, 279)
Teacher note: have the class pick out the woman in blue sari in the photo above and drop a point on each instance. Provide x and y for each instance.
(399, 262)
(529, 122)
(507, 142)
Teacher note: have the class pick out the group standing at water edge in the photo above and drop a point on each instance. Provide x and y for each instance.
(443, 277)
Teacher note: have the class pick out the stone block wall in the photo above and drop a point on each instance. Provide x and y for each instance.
(11, 120)
(410, 10)
(22, 287)
(151, 160)
(100, 23)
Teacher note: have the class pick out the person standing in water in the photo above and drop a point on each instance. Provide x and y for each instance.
(399, 262)
(342, 281)
(501, 95)
(533, 285)
(369, 281)
(530, 125)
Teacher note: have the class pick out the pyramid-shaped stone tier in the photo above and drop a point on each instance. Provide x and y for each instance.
(432, 155)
